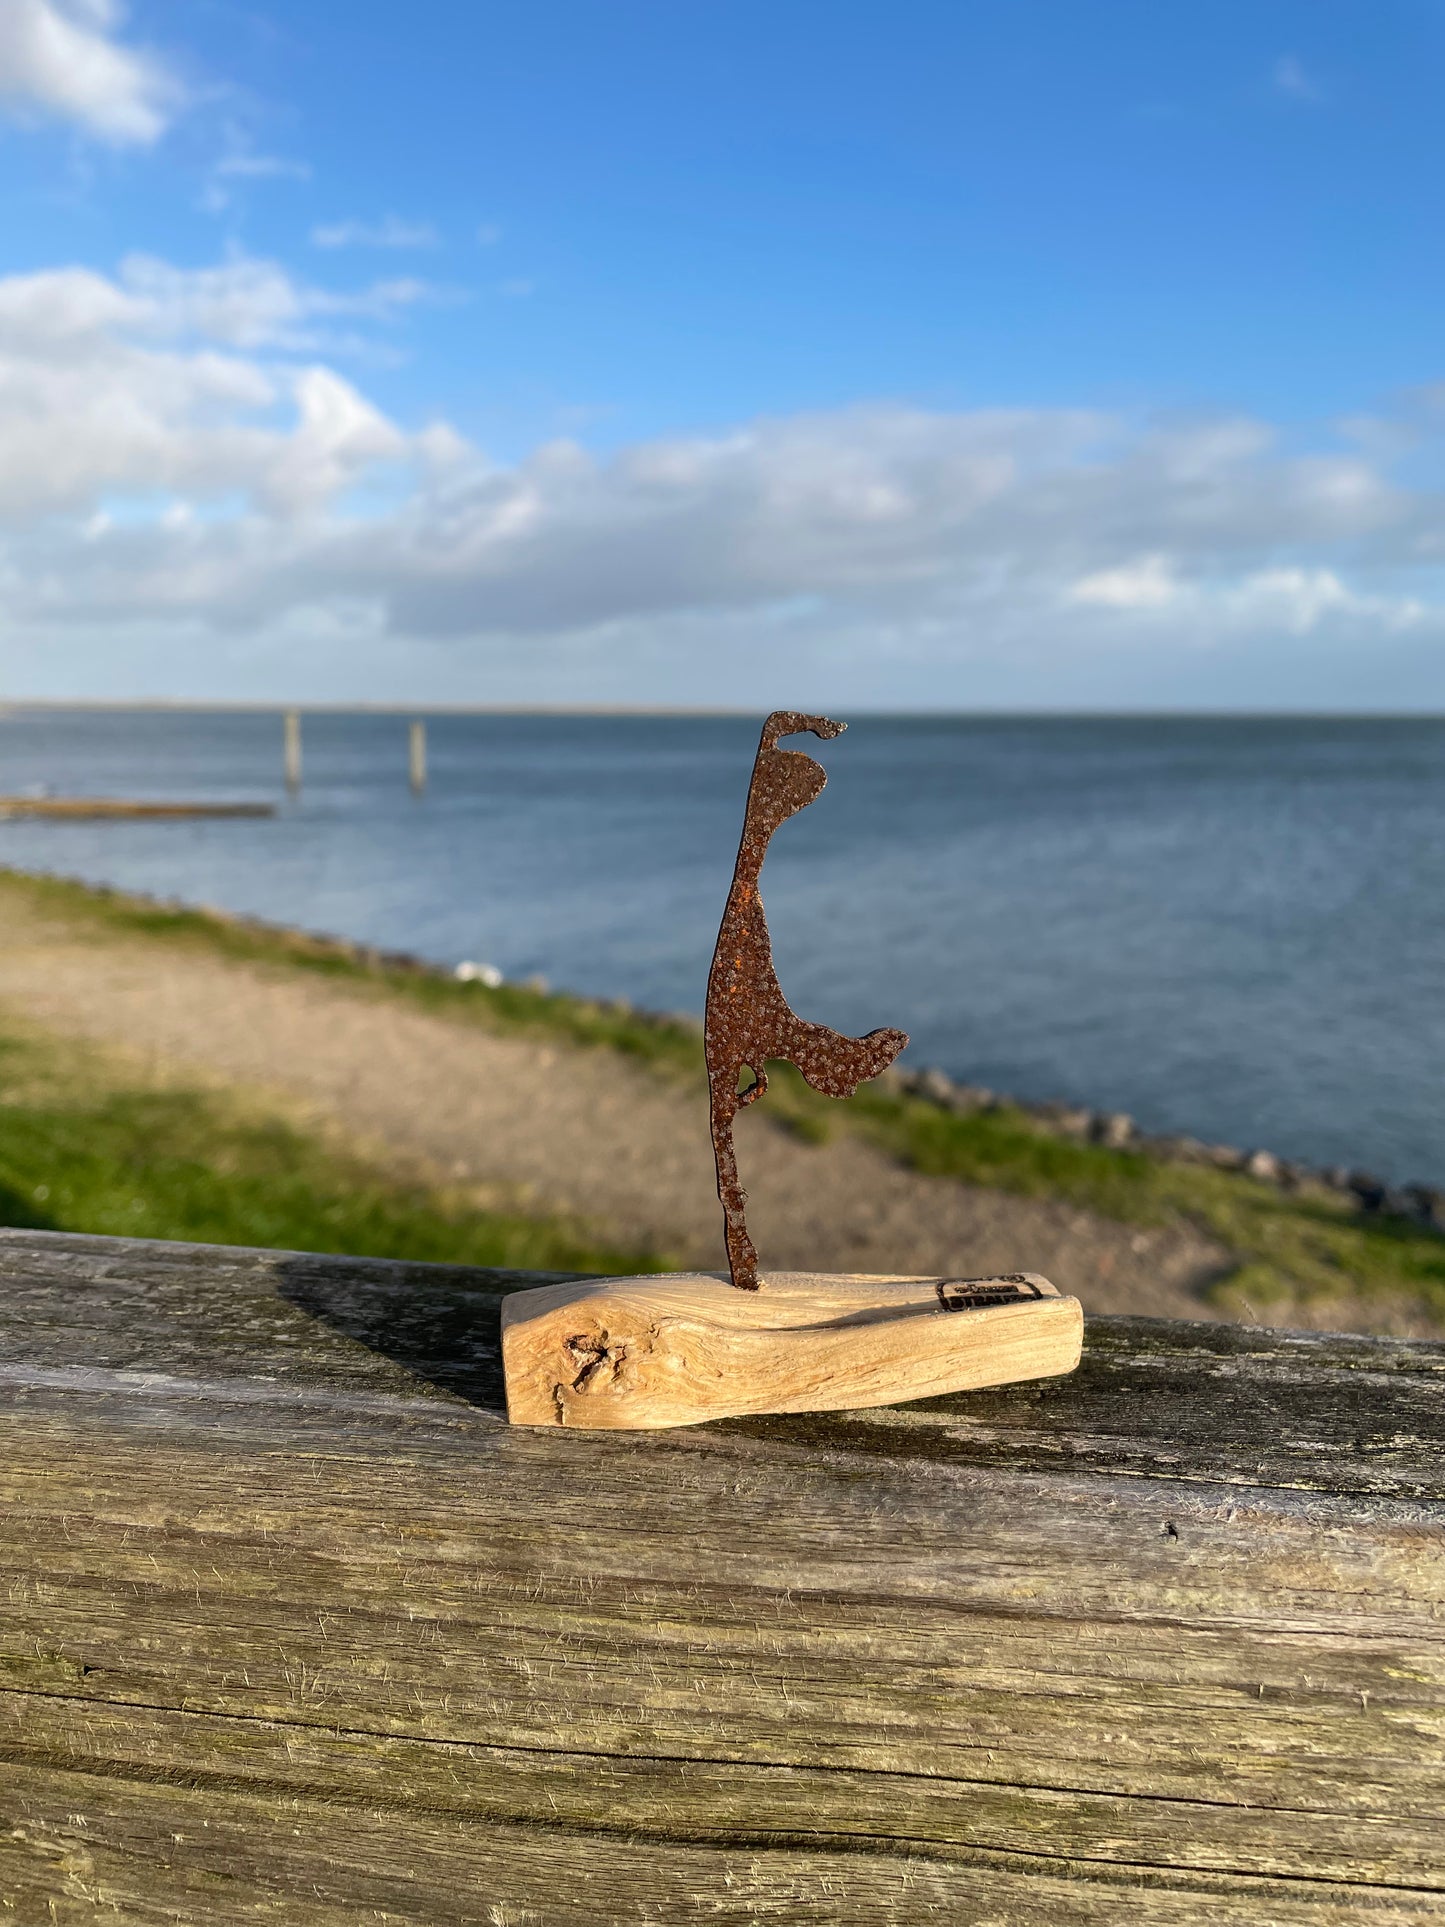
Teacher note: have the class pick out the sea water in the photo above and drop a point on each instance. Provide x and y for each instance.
(1228, 927)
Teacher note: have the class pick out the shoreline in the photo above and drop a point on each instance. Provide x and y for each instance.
(1415, 1203)
(530, 1101)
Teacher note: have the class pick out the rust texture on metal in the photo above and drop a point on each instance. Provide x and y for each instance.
(748, 1018)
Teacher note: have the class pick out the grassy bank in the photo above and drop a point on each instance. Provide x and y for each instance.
(1294, 1250)
(87, 1145)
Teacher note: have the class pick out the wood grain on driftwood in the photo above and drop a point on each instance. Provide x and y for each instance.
(295, 1628)
(638, 1354)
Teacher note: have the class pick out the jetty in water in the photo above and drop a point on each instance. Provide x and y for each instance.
(75, 807)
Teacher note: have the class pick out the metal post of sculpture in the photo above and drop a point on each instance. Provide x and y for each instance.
(748, 1017)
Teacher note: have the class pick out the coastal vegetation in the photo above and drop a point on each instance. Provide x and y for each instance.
(204, 1169)
(89, 1143)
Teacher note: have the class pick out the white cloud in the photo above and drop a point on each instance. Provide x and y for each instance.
(261, 167)
(338, 437)
(488, 234)
(1291, 77)
(239, 165)
(389, 232)
(62, 58)
(1292, 600)
(42, 313)
(1145, 584)
(248, 303)
(1302, 600)
(179, 458)
(165, 382)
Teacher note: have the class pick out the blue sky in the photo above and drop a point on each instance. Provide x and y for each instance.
(1024, 355)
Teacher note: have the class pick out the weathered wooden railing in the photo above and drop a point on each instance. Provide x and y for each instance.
(295, 1629)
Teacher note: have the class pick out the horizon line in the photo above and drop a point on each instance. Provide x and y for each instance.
(280, 706)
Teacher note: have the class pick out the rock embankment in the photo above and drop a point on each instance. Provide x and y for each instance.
(1420, 1204)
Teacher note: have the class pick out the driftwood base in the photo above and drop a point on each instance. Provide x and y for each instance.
(638, 1354)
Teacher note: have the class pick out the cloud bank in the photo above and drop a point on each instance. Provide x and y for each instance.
(195, 500)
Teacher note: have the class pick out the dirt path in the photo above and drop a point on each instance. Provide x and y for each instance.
(580, 1133)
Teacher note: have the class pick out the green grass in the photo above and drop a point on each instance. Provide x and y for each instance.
(81, 1150)
(1291, 1248)
(1301, 1247)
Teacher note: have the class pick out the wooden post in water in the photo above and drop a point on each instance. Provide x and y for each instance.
(418, 757)
(292, 725)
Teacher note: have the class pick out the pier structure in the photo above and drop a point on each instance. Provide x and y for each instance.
(291, 749)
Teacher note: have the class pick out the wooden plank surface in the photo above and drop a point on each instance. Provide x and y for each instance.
(293, 1626)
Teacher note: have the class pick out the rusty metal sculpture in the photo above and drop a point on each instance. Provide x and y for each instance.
(748, 1018)
(628, 1354)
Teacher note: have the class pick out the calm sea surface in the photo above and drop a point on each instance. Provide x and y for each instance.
(1231, 928)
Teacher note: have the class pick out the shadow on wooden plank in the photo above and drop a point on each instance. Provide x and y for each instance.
(445, 1330)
